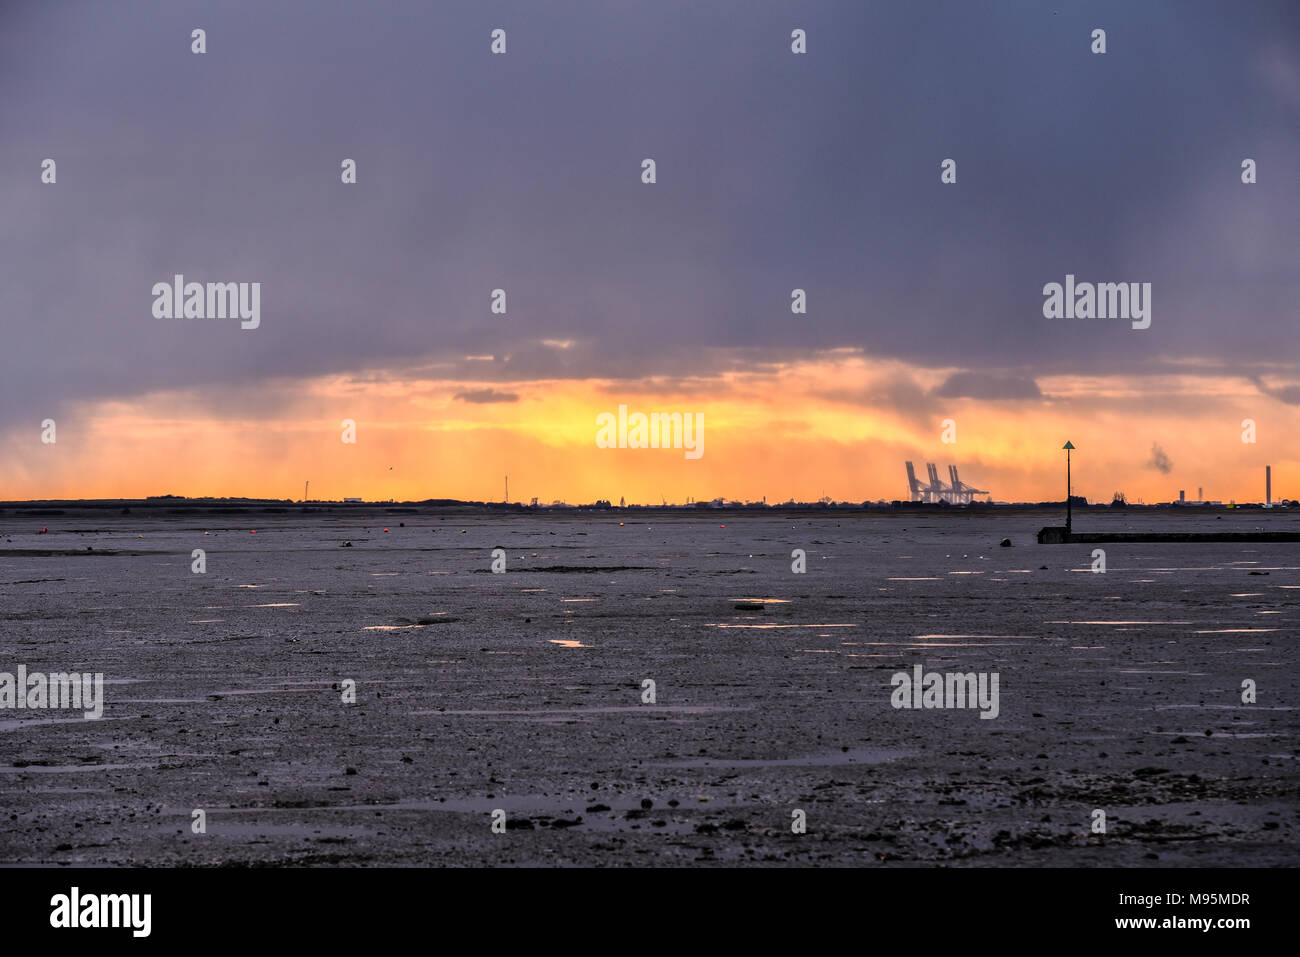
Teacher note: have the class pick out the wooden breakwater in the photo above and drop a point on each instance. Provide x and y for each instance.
(1060, 535)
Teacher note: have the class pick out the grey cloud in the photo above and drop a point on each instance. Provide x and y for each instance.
(976, 385)
(1159, 460)
(486, 395)
(1290, 394)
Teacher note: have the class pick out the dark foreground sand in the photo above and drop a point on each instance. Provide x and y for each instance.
(522, 691)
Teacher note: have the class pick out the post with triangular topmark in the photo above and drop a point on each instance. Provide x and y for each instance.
(1068, 494)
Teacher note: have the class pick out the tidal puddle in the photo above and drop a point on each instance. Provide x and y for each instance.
(247, 691)
(218, 827)
(958, 644)
(165, 700)
(774, 625)
(1221, 734)
(1120, 623)
(1224, 707)
(541, 810)
(70, 768)
(832, 759)
(17, 724)
(601, 709)
(929, 637)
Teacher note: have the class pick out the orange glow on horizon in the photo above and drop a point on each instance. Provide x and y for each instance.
(842, 426)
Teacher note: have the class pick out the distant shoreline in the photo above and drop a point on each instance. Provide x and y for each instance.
(207, 506)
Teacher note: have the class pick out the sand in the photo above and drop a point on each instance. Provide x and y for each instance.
(522, 691)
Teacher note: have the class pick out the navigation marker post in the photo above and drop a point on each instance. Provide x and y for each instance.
(1067, 447)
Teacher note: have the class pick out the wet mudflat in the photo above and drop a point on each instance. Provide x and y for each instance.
(522, 691)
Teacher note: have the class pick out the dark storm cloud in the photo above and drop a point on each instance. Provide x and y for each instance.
(521, 172)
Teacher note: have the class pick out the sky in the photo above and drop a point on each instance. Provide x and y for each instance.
(774, 171)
